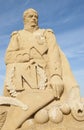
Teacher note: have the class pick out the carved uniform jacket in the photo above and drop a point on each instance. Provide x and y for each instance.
(35, 57)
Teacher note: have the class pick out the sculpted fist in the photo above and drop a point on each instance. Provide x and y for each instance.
(56, 84)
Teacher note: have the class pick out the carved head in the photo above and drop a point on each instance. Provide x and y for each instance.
(30, 17)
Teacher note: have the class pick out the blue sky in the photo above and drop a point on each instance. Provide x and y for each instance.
(65, 17)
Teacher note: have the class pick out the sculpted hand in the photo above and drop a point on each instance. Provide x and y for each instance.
(56, 84)
(77, 110)
(22, 57)
(73, 98)
(76, 104)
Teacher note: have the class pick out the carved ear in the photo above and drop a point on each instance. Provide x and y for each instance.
(2, 118)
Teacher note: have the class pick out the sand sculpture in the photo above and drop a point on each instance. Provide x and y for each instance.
(40, 91)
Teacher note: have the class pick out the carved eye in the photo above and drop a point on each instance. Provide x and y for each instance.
(29, 16)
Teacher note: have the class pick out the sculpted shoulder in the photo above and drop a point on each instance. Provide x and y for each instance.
(44, 30)
(49, 30)
(14, 33)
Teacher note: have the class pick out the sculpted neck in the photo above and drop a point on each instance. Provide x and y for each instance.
(30, 28)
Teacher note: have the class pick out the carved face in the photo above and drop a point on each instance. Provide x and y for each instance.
(31, 19)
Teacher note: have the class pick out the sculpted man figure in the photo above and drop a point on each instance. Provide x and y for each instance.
(33, 49)
(38, 73)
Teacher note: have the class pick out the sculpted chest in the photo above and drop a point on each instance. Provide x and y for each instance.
(35, 40)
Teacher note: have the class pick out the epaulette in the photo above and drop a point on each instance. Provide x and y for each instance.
(49, 30)
(13, 33)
